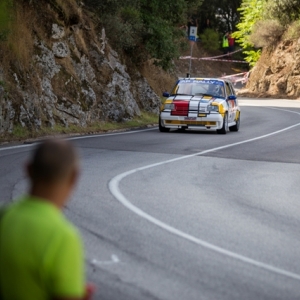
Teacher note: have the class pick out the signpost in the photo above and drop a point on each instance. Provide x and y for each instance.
(192, 39)
(193, 33)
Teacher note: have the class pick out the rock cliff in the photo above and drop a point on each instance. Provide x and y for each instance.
(277, 73)
(73, 77)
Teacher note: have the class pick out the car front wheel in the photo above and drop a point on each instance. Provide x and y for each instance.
(224, 128)
(161, 127)
(236, 127)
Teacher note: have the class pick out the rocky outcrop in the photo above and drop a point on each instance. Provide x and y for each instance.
(277, 73)
(72, 81)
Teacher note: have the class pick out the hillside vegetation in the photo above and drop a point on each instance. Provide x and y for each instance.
(68, 65)
(59, 73)
(269, 32)
(265, 23)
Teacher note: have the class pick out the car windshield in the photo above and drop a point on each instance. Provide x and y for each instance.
(193, 87)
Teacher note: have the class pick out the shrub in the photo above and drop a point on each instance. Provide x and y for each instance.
(252, 56)
(293, 31)
(124, 29)
(266, 33)
(285, 11)
(210, 39)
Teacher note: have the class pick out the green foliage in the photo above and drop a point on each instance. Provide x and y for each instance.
(293, 31)
(223, 15)
(20, 132)
(210, 39)
(285, 11)
(252, 56)
(251, 12)
(125, 28)
(145, 28)
(160, 41)
(5, 18)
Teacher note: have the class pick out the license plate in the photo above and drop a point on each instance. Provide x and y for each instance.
(190, 118)
(202, 115)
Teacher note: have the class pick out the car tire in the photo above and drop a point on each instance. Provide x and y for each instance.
(161, 127)
(224, 128)
(236, 127)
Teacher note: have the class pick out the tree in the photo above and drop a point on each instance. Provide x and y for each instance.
(145, 28)
(222, 14)
(251, 11)
(285, 11)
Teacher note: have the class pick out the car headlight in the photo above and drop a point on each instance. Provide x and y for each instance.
(169, 106)
(213, 108)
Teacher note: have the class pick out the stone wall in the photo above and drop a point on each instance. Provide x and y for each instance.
(278, 71)
(73, 82)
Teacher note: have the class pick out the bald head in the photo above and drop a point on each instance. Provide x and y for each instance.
(53, 160)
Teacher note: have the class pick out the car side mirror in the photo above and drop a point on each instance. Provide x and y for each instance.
(232, 97)
(166, 94)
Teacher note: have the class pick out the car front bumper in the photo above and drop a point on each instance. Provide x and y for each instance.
(212, 121)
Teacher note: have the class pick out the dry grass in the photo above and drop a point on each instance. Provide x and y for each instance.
(80, 41)
(266, 33)
(68, 12)
(293, 31)
(21, 133)
(18, 48)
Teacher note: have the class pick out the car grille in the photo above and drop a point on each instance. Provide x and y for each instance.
(195, 123)
(181, 108)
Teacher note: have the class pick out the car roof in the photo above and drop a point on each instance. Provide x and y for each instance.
(203, 78)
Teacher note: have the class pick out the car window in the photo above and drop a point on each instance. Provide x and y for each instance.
(228, 90)
(232, 89)
(183, 88)
(216, 90)
(200, 87)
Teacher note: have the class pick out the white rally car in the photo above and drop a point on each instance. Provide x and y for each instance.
(201, 103)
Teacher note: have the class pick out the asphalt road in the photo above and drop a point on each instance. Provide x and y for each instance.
(191, 215)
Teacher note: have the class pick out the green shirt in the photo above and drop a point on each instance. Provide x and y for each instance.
(225, 42)
(41, 253)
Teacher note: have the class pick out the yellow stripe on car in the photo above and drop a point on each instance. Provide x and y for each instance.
(207, 97)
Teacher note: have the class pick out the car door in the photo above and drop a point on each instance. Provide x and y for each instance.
(231, 103)
(236, 103)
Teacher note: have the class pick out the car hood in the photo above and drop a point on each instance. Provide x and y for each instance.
(203, 99)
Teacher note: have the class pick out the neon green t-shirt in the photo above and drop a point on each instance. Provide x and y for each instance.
(41, 253)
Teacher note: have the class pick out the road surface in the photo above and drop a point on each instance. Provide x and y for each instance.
(191, 215)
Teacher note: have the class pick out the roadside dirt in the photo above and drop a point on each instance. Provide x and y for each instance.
(277, 73)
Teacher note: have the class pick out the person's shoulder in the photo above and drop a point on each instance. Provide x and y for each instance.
(68, 229)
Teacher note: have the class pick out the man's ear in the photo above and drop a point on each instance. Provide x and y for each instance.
(74, 176)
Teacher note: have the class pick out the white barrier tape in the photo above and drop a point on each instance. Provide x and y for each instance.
(223, 55)
(187, 57)
(233, 75)
(225, 60)
(237, 78)
(211, 57)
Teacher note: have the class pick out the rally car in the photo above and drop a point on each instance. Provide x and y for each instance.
(201, 103)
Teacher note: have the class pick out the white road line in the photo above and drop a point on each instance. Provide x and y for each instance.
(115, 190)
(110, 134)
(79, 138)
(114, 260)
